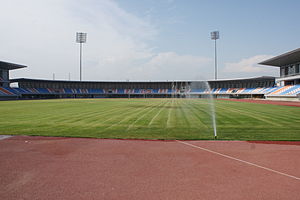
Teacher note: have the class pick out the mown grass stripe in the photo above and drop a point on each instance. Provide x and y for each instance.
(139, 118)
(157, 114)
(149, 118)
(129, 115)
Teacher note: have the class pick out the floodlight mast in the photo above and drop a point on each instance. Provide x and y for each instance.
(81, 38)
(214, 36)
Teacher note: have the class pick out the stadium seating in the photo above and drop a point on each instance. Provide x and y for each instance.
(270, 91)
(285, 91)
(7, 92)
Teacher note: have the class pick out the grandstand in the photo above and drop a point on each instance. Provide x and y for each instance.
(36, 88)
(286, 87)
(238, 88)
(5, 90)
(289, 80)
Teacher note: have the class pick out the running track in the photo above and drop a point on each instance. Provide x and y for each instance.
(74, 168)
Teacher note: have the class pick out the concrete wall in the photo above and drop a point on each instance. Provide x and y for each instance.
(4, 74)
(282, 98)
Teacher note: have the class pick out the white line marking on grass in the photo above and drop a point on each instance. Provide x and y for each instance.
(248, 113)
(2, 137)
(169, 114)
(162, 108)
(183, 109)
(132, 124)
(196, 111)
(128, 116)
(124, 112)
(117, 110)
(243, 161)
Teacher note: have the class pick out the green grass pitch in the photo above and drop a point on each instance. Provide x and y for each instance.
(149, 119)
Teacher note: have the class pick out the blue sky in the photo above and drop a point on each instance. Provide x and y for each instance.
(147, 39)
(241, 23)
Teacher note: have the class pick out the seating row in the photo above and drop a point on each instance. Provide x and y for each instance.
(270, 91)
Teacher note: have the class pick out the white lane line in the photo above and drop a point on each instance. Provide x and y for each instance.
(2, 137)
(243, 161)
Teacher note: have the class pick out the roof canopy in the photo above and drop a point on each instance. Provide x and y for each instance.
(283, 59)
(100, 81)
(10, 66)
(264, 78)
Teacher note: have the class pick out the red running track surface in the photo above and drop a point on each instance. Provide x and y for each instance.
(74, 168)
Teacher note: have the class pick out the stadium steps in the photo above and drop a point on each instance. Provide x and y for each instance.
(247, 91)
(283, 90)
(292, 91)
(295, 92)
(280, 90)
(162, 91)
(270, 90)
(43, 91)
(13, 90)
(257, 91)
(196, 91)
(223, 90)
(6, 92)
(240, 90)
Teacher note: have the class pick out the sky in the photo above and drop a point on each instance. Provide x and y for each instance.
(146, 39)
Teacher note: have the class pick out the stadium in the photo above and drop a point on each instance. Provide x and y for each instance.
(187, 106)
(180, 139)
(151, 139)
(286, 87)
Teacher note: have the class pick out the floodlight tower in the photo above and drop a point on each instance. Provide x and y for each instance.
(80, 38)
(214, 36)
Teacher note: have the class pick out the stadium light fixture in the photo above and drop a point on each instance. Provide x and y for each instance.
(214, 36)
(81, 38)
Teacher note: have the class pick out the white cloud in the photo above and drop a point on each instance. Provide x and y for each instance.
(172, 66)
(250, 67)
(41, 34)
(161, 66)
